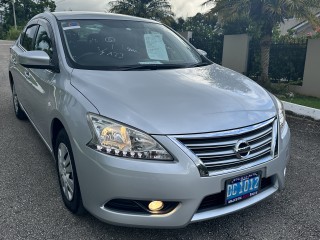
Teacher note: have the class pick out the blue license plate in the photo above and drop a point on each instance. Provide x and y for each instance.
(242, 187)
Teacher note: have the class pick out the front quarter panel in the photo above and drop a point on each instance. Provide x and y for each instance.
(71, 109)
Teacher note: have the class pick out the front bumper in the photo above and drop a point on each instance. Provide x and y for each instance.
(103, 178)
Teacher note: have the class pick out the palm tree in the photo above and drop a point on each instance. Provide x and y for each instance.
(154, 9)
(264, 16)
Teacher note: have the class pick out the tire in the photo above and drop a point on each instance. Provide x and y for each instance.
(68, 179)
(20, 114)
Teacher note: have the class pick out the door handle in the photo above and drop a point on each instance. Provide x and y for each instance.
(27, 74)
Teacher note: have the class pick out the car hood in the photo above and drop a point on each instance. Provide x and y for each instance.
(179, 101)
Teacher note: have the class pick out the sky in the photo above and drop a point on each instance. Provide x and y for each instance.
(182, 8)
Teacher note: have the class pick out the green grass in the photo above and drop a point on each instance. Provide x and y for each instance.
(312, 102)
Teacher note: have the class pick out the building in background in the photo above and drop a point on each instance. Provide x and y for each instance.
(297, 27)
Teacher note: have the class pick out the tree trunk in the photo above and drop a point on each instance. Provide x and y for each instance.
(265, 46)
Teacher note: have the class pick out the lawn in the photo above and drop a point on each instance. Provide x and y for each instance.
(312, 102)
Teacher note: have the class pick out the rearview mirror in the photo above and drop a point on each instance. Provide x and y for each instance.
(204, 53)
(35, 59)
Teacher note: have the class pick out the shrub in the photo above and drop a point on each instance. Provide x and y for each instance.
(13, 33)
(212, 44)
(2, 34)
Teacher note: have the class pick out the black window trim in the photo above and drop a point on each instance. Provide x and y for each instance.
(32, 24)
(55, 57)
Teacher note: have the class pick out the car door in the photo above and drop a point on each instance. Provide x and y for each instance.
(42, 82)
(20, 73)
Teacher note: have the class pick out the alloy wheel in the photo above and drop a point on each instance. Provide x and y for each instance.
(66, 171)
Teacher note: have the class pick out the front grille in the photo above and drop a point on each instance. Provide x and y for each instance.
(217, 150)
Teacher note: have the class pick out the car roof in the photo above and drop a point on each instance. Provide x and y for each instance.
(66, 15)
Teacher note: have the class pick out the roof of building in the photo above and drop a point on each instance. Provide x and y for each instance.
(304, 23)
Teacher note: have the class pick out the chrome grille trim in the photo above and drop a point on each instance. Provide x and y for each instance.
(253, 156)
(214, 152)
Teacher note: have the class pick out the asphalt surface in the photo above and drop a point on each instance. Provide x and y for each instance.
(31, 207)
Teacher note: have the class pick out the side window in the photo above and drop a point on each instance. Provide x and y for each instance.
(43, 41)
(28, 37)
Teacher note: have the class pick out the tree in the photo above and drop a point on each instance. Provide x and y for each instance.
(201, 25)
(264, 16)
(239, 26)
(204, 34)
(159, 10)
(25, 10)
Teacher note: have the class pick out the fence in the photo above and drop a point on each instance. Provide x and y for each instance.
(212, 45)
(287, 60)
(287, 57)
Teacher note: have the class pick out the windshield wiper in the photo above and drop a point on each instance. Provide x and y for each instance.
(151, 67)
(156, 66)
(200, 64)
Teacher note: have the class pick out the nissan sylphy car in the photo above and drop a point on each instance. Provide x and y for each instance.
(144, 129)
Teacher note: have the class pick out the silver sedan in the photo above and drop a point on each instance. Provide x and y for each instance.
(144, 129)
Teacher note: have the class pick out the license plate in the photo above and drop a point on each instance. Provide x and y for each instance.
(242, 187)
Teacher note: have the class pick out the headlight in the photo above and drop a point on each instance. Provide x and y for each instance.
(281, 113)
(119, 140)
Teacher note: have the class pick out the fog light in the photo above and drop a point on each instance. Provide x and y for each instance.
(155, 205)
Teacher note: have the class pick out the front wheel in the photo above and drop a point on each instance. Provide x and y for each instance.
(68, 180)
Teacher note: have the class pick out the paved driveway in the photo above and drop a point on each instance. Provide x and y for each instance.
(31, 207)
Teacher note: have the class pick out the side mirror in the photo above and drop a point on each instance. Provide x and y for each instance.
(36, 59)
(201, 52)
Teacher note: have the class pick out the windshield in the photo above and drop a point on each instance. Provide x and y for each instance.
(126, 45)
